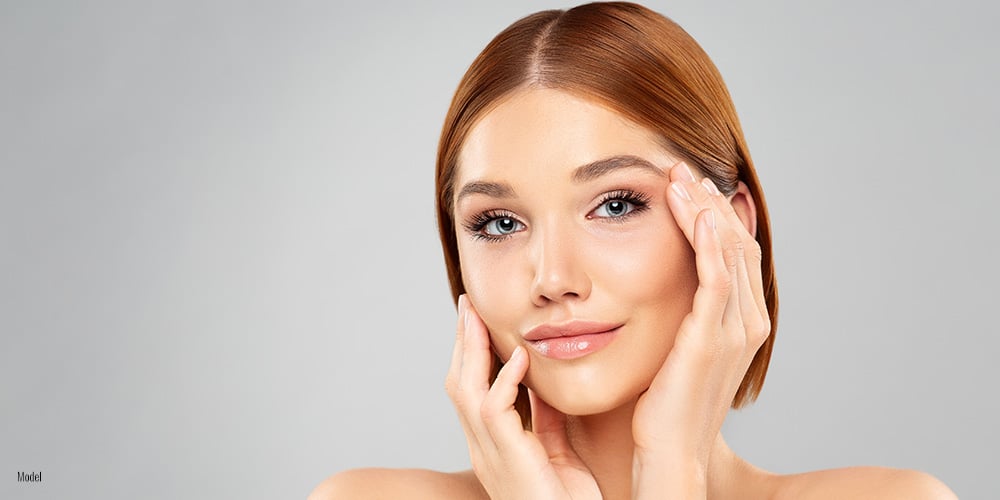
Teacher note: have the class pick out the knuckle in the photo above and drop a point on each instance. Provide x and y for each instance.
(457, 400)
(756, 252)
(765, 324)
(758, 333)
(460, 398)
(731, 254)
(755, 337)
(488, 412)
(451, 386)
(721, 285)
(763, 331)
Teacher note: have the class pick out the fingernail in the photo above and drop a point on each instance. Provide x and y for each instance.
(710, 186)
(679, 189)
(517, 352)
(463, 309)
(688, 173)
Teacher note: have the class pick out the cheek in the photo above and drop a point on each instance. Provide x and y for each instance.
(652, 267)
(486, 276)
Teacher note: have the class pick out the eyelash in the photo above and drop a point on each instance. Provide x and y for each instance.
(639, 202)
(476, 223)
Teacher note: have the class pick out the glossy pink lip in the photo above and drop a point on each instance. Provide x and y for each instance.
(571, 340)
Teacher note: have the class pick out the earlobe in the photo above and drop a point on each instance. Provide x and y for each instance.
(745, 207)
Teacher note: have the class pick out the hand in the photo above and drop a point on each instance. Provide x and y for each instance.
(509, 461)
(677, 420)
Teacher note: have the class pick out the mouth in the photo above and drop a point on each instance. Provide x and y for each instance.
(571, 340)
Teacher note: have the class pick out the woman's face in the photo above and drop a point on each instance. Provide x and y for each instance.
(552, 235)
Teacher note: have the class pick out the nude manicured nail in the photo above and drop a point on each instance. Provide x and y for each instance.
(679, 189)
(710, 186)
(517, 352)
(463, 309)
(688, 173)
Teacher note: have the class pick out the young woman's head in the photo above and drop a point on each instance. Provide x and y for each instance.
(551, 179)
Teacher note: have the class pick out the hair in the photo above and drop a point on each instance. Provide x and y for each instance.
(645, 67)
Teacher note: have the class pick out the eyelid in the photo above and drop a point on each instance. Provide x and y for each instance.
(639, 201)
(475, 224)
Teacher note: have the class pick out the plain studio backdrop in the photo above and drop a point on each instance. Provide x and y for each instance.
(220, 274)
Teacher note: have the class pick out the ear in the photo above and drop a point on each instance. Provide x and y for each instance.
(745, 208)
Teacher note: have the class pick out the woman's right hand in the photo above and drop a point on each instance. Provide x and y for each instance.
(509, 461)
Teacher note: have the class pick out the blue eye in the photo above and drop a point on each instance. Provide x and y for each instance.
(620, 205)
(502, 226)
(493, 225)
(614, 208)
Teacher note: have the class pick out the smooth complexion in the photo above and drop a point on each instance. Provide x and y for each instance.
(554, 239)
(568, 247)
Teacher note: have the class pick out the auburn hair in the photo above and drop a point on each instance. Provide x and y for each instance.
(645, 67)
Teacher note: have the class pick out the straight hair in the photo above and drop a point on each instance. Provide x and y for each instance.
(645, 67)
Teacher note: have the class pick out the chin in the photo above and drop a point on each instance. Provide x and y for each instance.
(575, 405)
(578, 391)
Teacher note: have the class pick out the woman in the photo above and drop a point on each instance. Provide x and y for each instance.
(608, 246)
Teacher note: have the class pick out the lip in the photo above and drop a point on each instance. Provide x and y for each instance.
(571, 340)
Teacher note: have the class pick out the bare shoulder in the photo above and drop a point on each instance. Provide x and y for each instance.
(399, 483)
(863, 482)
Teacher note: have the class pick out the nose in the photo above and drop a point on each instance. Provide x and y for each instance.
(559, 274)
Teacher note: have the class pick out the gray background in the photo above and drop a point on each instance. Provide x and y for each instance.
(220, 278)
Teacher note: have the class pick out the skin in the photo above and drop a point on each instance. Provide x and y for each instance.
(676, 266)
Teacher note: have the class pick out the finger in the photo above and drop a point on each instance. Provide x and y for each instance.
(735, 228)
(497, 412)
(453, 383)
(473, 378)
(549, 425)
(455, 368)
(732, 252)
(714, 282)
(691, 192)
(477, 357)
(726, 209)
(732, 318)
(746, 313)
(686, 198)
(755, 322)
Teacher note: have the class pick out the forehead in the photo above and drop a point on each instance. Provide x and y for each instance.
(553, 131)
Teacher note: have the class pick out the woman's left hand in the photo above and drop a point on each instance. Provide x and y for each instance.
(678, 419)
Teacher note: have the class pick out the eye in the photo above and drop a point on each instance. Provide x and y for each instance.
(493, 225)
(614, 208)
(502, 226)
(621, 204)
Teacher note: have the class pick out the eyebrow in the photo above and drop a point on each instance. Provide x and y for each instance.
(583, 173)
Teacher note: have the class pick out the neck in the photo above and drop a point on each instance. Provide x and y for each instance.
(604, 443)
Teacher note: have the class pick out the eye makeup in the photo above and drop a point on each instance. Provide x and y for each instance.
(478, 223)
(496, 225)
(638, 201)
